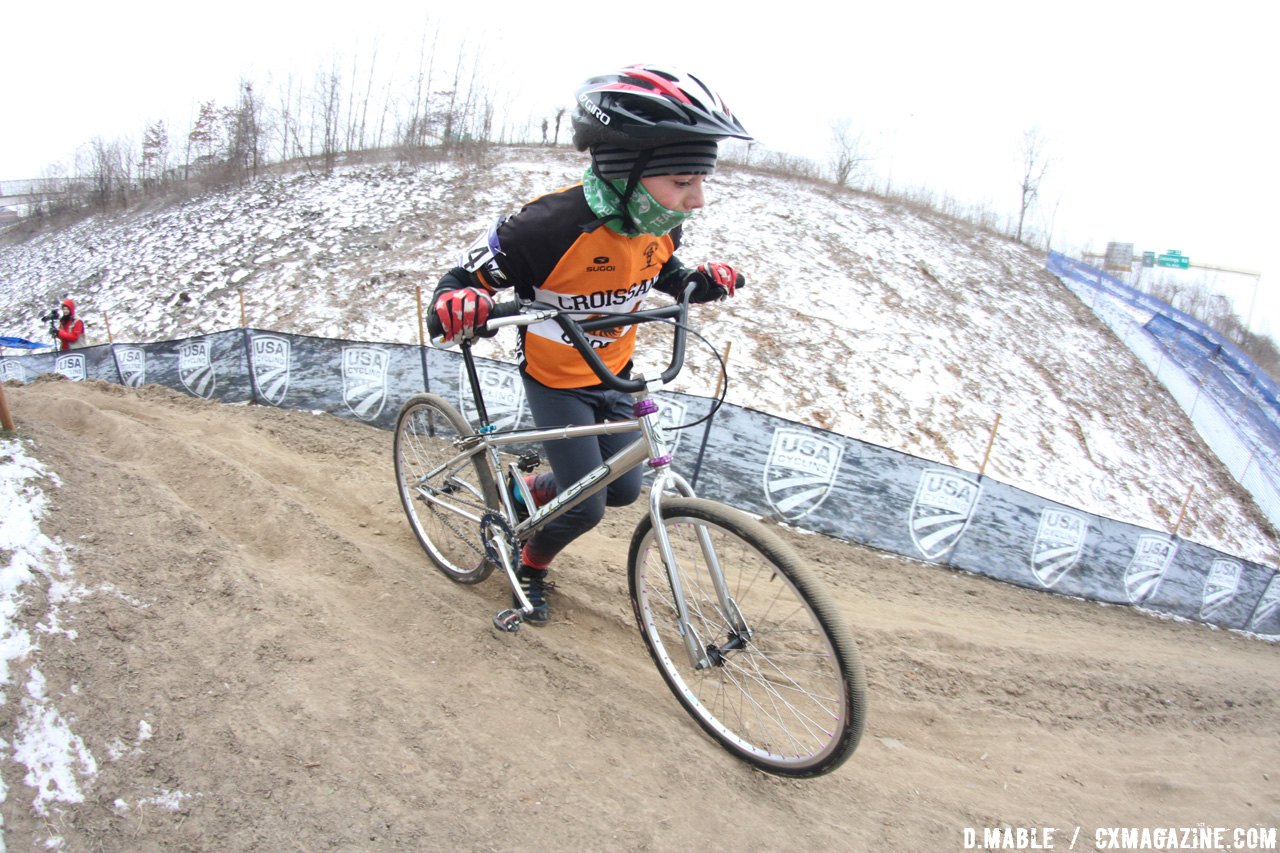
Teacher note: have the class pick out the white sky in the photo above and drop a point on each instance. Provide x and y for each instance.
(1160, 118)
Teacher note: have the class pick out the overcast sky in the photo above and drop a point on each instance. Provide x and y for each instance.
(1160, 119)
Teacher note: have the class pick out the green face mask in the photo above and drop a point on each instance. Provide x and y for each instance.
(649, 217)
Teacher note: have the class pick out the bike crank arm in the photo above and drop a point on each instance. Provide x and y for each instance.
(497, 537)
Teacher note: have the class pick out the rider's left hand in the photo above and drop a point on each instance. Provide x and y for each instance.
(715, 281)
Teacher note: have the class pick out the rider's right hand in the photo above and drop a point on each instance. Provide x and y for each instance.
(462, 311)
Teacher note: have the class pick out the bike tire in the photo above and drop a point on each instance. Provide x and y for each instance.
(444, 495)
(791, 700)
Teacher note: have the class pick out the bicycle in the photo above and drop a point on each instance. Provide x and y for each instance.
(747, 640)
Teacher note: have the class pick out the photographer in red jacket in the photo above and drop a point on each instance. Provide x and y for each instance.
(69, 328)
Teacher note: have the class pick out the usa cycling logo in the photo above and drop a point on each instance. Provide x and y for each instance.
(10, 369)
(671, 414)
(1152, 556)
(1268, 605)
(364, 380)
(195, 368)
(132, 364)
(1220, 586)
(269, 361)
(71, 366)
(1058, 546)
(503, 395)
(800, 472)
(941, 511)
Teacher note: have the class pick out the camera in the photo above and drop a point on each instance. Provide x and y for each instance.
(51, 317)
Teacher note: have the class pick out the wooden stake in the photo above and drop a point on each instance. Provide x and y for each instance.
(107, 319)
(244, 323)
(1182, 513)
(422, 331)
(720, 379)
(990, 443)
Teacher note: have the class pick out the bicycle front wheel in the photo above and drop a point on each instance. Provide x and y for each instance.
(781, 684)
(444, 489)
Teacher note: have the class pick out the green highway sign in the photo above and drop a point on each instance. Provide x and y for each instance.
(1174, 259)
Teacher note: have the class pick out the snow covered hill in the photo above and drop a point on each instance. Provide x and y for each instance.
(863, 316)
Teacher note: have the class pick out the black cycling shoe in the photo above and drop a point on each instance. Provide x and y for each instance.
(533, 583)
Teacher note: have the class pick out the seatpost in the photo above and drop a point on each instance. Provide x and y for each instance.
(474, 378)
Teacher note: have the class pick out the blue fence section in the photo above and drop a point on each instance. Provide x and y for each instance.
(1234, 405)
(806, 477)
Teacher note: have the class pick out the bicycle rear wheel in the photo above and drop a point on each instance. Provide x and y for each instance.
(784, 690)
(444, 491)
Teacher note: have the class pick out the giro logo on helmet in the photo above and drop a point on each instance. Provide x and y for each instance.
(593, 110)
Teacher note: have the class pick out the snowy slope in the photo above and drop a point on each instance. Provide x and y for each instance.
(888, 323)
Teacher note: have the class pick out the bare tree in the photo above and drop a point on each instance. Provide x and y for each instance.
(1034, 164)
(329, 101)
(848, 152)
(244, 133)
(555, 140)
(155, 155)
(202, 141)
(109, 172)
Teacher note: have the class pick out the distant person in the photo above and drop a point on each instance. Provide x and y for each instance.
(70, 328)
(652, 133)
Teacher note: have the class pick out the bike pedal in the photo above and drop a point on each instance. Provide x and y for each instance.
(508, 620)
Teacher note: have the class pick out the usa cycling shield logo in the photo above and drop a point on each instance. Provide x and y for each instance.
(1152, 556)
(1268, 605)
(71, 366)
(1058, 546)
(10, 369)
(269, 360)
(800, 472)
(1220, 586)
(941, 511)
(195, 368)
(503, 395)
(132, 364)
(364, 380)
(671, 414)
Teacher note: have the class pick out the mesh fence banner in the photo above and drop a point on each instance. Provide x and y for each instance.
(762, 464)
(350, 379)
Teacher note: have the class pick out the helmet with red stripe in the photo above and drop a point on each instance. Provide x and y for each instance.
(644, 106)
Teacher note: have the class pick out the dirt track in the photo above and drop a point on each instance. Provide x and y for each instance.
(309, 683)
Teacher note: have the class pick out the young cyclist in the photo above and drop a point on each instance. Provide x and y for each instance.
(598, 246)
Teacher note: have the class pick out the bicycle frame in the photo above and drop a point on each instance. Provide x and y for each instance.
(650, 448)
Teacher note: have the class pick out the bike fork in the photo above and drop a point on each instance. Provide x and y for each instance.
(700, 656)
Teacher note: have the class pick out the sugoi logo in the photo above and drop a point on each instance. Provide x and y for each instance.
(1152, 556)
(800, 472)
(503, 395)
(195, 368)
(132, 364)
(269, 359)
(71, 366)
(1220, 586)
(941, 510)
(364, 380)
(601, 264)
(1268, 605)
(1059, 543)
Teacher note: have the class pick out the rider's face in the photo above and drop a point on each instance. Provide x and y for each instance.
(681, 193)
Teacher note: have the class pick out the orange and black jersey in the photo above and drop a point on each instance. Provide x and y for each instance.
(550, 252)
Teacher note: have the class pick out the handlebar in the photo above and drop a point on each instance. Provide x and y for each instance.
(519, 313)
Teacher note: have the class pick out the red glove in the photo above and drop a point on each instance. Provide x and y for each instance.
(460, 311)
(716, 281)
